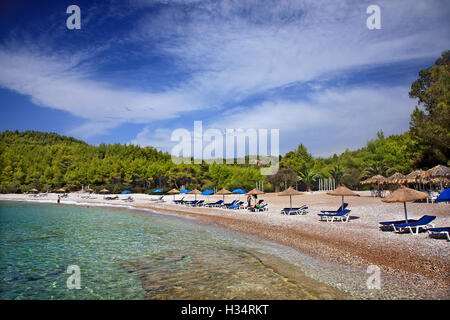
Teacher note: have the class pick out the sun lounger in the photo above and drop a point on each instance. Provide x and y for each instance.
(227, 205)
(190, 203)
(129, 199)
(293, 211)
(158, 199)
(179, 201)
(264, 207)
(341, 216)
(237, 206)
(199, 203)
(440, 231)
(422, 223)
(214, 204)
(389, 225)
(342, 207)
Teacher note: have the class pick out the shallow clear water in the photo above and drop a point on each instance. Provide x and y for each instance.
(130, 254)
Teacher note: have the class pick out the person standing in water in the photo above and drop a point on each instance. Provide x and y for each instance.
(59, 199)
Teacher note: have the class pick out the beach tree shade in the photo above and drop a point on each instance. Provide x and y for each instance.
(223, 192)
(444, 196)
(195, 192)
(290, 192)
(342, 191)
(174, 192)
(405, 195)
(126, 192)
(104, 191)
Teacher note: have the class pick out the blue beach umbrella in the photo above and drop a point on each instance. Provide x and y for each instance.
(185, 191)
(126, 191)
(207, 192)
(239, 191)
(157, 191)
(444, 196)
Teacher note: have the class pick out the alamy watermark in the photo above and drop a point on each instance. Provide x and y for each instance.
(74, 280)
(374, 280)
(230, 147)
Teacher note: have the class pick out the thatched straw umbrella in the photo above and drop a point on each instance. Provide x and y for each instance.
(405, 195)
(290, 192)
(223, 192)
(439, 171)
(396, 178)
(378, 179)
(255, 192)
(342, 191)
(414, 176)
(34, 190)
(174, 192)
(61, 190)
(104, 191)
(195, 192)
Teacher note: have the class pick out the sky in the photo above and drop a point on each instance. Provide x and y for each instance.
(137, 70)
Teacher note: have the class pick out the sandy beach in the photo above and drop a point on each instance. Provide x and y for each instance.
(417, 264)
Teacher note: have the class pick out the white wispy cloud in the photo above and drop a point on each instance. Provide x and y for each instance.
(232, 50)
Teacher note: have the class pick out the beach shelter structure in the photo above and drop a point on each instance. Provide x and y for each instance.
(195, 192)
(34, 190)
(104, 191)
(207, 192)
(126, 192)
(396, 178)
(444, 196)
(342, 191)
(157, 191)
(415, 176)
(438, 172)
(239, 191)
(174, 192)
(290, 192)
(61, 190)
(405, 195)
(255, 192)
(223, 192)
(185, 191)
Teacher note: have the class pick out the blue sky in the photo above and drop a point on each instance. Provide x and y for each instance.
(137, 70)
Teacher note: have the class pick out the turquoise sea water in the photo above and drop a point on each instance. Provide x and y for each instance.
(130, 254)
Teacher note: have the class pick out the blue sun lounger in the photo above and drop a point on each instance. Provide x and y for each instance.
(292, 211)
(342, 207)
(443, 231)
(422, 223)
(179, 201)
(228, 205)
(389, 225)
(341, 216)
(214, 204)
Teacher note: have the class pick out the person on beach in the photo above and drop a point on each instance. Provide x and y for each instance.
(249, 201)
(59, 199)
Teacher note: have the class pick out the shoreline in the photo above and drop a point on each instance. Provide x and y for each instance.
(416, 262)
